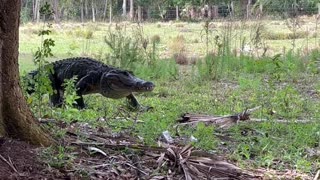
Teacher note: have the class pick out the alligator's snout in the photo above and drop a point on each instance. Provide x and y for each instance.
(145, 86)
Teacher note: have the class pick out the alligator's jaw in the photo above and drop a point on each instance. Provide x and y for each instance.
(118, 84)
(143, 86)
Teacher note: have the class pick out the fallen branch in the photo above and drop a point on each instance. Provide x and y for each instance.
(220, 121)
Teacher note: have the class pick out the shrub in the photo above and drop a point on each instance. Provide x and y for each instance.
(181, 58)
(195, 41)
(155, 39)
(125, 51)
(208, 68)
(177, 44)
(179, 25)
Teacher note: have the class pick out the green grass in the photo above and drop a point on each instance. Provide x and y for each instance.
(280, 84)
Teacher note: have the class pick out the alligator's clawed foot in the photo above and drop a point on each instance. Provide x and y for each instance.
(146, 108)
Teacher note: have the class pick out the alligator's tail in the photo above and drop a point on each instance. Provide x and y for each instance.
(29, 80)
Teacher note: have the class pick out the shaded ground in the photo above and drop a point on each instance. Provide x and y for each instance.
(19, 160)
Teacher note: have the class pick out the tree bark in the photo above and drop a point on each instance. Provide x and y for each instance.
(105, 10)
(193, 13)
(210, 12)
(177, 13)
(93, 11)
(56, 11)
(86, 10)
(215, 12)
(124, 8)
(131, 10)
(139, 14)
(16, 119)
(36, 11)
(249, 9)
(81, 11)
(110, 12)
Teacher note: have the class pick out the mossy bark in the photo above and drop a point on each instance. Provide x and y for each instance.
(16, 119)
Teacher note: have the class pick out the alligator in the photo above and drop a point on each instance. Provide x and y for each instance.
(94, 77)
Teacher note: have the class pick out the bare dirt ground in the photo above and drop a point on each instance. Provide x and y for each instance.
(19, 160)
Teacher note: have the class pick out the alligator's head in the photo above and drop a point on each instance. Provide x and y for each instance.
(120, 83)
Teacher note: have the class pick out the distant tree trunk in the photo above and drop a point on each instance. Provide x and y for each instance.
(110, 12)
(131, 10)
(16, 119)
(139, 14)
(36, 10)
(93, 11)
(249, 9)
(215, 11)
(105, 10)
(26, 4)
(209, 12)
(56, 11)
(232, 9)
(124, 8)
(148, 13)
(86, 10)
(260, 10)
(81, 11)
(177, 13)
(193, 13)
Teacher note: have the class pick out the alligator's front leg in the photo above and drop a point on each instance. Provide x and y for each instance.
(134, 103)
(84, 86)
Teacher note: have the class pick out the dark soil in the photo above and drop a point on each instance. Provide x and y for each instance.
(19, 160)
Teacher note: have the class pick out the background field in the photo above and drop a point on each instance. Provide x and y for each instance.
(218, 68)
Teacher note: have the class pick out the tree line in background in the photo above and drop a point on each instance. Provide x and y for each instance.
(145, 10)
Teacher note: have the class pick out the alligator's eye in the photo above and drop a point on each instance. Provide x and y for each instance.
(126, 73)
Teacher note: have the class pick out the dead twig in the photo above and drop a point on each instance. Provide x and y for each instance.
(120, 146)
(9, 163)
(128, 164)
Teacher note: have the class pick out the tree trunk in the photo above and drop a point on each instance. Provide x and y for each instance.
(56, 16)
(81, 11)
(232, 10)
(260, 10)
(16, 119)
(124, 8)
(139, 13)
(131, 10)
(110, 12)
(86, 10)
(148, 14)
(215, 12)
(193, 13)
(249, 9)
(105, 10)
(36, 10)
(93, 11)
(209, 12)
(177, 13)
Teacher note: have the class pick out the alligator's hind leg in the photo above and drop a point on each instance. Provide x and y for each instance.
(56, 99)
(134, 103)
(80, 103)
